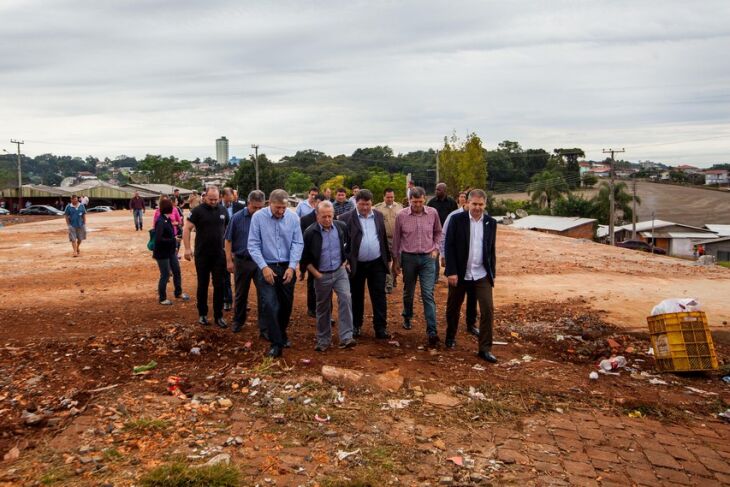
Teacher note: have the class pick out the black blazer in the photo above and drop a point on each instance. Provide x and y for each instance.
(457, 245)
(354, 234)
(313, 244)
(307, 220)
(237, 206)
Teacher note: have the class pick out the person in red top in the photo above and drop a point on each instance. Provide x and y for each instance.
(136, 204)
(416, 239)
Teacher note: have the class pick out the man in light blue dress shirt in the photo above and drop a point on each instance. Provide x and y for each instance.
(305, 207)
(275, 245)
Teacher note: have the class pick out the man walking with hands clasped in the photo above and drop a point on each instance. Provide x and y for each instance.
(471, 265)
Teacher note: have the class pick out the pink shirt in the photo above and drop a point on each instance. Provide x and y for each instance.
(174, 218)
(416, 233)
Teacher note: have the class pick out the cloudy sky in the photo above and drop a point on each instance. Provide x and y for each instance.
(170, 76)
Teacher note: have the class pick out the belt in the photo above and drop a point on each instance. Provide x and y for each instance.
(416, 253)
(277, 264)
(329, 272)
(243, 257)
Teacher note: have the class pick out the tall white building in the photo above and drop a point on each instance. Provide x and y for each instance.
(221, 151)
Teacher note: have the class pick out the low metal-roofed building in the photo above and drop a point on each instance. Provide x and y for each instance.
(720, 230)
(567, 226)
(679, 242)
(159, 189)
(719, 247)
(98, 192)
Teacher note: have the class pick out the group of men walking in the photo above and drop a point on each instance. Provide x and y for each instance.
(344, 246)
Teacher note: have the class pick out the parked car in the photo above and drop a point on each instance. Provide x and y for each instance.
(640, 245)
(99, 209)
(41, 210)
(4, 211)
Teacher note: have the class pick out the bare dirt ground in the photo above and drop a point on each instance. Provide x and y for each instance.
(72, 412)
(680, 204)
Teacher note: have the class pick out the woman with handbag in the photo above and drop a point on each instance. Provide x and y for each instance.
(165, 253)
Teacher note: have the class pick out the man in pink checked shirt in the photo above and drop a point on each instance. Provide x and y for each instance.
(416, 240)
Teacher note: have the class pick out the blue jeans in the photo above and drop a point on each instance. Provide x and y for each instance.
(166, 266)
(421, 267)
(276, 303)
(138, 219)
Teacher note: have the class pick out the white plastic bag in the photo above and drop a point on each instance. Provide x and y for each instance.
(676, 305)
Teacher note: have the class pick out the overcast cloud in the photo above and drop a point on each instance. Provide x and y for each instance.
(170, 76)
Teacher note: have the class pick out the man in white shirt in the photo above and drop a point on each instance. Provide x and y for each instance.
(471, 263)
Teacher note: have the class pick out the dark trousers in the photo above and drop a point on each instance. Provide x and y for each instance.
(276, 303)
(373, 273)
(471, 307)
(227, 290)
(482, 290)
(207, 266)
(311, 296)
(166, 266)
(244, 272)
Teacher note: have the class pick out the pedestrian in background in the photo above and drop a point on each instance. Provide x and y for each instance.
(75, 214)
(165, 252)
(390, 209)
(136, 204)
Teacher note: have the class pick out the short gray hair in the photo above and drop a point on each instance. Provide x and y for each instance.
(477, 193)
(325, 204)
(279, 196)
(257, 195)
(417, 192)
(213, 188)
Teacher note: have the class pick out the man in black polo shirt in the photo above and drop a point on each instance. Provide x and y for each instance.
(209, 221)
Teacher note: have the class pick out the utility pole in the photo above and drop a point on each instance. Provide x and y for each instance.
(652, 232)
(437, 167)
(255, 147)
(20, 177)
(633, 215)
(612, 202)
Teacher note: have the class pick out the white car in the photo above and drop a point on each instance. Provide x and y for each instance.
(4, 211)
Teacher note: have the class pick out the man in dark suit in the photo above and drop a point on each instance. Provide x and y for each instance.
(369, 259)
(471, 265)
(325, 259)
(305, 222)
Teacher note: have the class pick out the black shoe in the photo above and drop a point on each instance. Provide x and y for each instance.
(382, 335)
(433, 341)
(221, 323)
(236, 327)
(472, 330)
(311, 314)
(450, 343)
(227, 306)
(488, 357)
(356, 332)
(203, 320)
(407, 324)
(274, 352)
(321, 348)
(287, 344)
(348, 343)
(264, 335)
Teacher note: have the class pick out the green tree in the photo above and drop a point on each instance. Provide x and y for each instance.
(462, 164)
(573, 205)
(623, 202)
(166, 170)
(546, 188)
(589, 180)
(334, 183)
(298, 182)
(378, 181)
(572, 167)
(271, 176)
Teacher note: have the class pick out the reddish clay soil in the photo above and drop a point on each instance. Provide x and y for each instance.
(72, 412)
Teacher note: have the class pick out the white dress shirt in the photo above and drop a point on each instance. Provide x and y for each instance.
(475, 269)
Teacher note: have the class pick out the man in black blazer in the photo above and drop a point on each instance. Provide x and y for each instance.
(325, 259)
(471, 264)
(369, 259)
(229, 203)
(305, 222)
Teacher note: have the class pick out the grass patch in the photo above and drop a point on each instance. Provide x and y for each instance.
(179, 474)
(264, 367)
(112, 455)
(724, 264)
(357, 479)
(54, 476)
(146, 424)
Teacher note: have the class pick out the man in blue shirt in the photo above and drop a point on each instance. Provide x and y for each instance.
(325, 259)
(238, 260)
(305, 207)
(76, 220)
(275, 245)
(369, 258)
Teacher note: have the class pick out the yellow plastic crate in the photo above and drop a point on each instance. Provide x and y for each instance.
(682, 342)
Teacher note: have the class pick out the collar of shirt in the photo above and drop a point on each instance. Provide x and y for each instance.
(322, 229)
(368, 216)
(471, 218)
